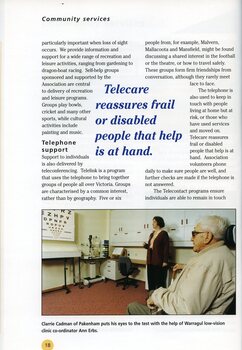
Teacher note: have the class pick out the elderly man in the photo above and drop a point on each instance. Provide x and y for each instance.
(206, 285)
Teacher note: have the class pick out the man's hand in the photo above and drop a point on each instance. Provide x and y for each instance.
(151, 304)
(178, 267)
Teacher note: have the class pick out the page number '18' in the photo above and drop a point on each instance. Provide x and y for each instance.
(47, 344)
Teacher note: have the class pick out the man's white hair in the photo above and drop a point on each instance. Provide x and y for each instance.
(214, 224)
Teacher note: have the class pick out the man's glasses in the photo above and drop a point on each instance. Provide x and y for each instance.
(194, 233)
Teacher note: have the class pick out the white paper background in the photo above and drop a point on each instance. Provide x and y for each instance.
(21, 134)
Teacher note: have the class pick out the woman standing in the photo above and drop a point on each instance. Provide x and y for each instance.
(157, 254)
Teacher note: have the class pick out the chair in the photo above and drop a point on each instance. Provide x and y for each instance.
(230, 236)
(126, 268)
(231, 308)
(230, 241)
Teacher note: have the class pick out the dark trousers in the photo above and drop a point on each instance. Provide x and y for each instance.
(156, 276)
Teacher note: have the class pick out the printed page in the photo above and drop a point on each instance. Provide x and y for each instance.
(115, 113)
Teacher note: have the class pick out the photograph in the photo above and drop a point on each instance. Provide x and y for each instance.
(138, 262)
